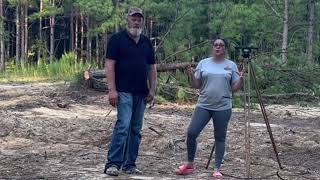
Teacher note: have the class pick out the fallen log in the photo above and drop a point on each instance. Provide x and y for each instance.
(96, 78)
(89, 74)
(100, 73)
(297, 96)
(174, 66)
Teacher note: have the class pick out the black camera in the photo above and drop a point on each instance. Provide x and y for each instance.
(244, 51)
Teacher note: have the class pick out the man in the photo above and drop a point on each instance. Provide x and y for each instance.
(130, 65)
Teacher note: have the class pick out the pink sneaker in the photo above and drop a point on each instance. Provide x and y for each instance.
(217, 174)
(185, 169)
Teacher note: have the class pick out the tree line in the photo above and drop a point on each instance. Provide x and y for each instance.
(286, 32)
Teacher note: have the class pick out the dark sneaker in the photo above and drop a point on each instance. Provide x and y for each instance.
(133, 171)
(112, 171)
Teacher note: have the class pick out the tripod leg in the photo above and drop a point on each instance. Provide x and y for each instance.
(263, 110)
(247, 123)
(210, 157)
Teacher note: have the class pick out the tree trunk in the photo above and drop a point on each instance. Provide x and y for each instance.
(104, 50)
(82, 36)
(52, 28)
(311, 7)
(97, 49)
(23, 54)
(10, 46)
(65, 39)
(210, 19)
(72, 30)
(151, 29)
(25, 50)
(40, 32)
(285, 33)
(146, 27)
(89, 48)
(117, 28)
(18, 34)
(2, 46)
(76, 35)
(9, 51)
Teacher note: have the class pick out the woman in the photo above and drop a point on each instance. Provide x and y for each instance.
(217, 78)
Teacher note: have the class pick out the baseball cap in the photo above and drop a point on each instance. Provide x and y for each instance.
(134, 10)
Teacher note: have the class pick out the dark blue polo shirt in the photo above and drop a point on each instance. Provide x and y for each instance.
(133, 62)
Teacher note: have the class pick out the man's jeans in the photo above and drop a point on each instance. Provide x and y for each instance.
(124, 147)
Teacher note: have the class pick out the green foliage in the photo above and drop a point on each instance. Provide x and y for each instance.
(237, 102)
(301, 78)
(174, 87)
(67, 68)
(160, 100)
(48, 10)
(181, 95)
(316, 89)
(183, 30)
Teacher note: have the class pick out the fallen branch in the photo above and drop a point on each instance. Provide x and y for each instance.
(152, 129)
(108, 113)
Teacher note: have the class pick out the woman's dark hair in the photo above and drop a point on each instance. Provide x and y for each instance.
(226, 43)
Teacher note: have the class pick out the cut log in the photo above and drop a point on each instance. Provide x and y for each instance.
(96, 78)
(174, 66)
(100, 73)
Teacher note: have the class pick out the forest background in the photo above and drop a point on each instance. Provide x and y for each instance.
(45, 40)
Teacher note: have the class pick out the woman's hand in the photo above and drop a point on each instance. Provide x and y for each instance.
(237, 86)
(242, 74)
(190, 71)
(196, 83)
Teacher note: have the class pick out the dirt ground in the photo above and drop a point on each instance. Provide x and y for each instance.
(54, 131)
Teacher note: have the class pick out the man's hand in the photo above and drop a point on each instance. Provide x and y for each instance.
(150, 96)
(113, 97)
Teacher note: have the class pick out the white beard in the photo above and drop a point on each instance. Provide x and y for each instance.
(135, 32)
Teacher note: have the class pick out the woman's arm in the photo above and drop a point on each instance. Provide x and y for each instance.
(195, 83)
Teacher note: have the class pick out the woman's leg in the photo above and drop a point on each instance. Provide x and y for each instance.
(220, 123)
(199, 120)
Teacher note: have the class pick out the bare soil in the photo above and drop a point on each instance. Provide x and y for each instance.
(56, 131)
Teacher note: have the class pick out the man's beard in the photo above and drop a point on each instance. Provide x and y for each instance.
(135, 32)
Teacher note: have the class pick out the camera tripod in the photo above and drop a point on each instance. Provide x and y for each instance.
(246, 64)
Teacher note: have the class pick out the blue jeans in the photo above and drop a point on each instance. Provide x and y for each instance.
(126, 137)
(200, 119)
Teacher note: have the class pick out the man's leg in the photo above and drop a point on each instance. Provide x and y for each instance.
(220, 123)
(134, 138)
(120, 132)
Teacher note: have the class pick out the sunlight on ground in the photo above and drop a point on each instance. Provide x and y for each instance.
(79, 111)
(22, 79)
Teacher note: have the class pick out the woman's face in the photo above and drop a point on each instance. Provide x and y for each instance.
(219, 48)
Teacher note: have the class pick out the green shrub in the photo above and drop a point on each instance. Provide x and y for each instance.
(67, 68)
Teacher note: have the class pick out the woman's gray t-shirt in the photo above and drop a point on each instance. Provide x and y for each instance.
(216, 83)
